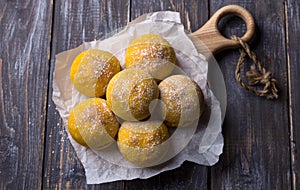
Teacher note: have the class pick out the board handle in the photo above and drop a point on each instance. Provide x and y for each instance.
(210, 35)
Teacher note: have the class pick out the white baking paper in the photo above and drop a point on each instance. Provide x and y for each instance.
(207, 142)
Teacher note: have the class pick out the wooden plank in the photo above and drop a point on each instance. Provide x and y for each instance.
(24, 52)
(193, 13)
(75, 22)
(189, 175)
(293, 46)
(256, 132)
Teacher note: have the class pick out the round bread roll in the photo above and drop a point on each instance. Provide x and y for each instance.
(92, 124)
(130, 92)
(152, 53)
(141, 142)
(183, 100)
(92, 70)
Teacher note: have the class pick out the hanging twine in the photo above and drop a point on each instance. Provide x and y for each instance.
(257, 75)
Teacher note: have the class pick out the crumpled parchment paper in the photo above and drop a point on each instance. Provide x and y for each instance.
(206, 144)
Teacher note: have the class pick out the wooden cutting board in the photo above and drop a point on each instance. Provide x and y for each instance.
(212, 41)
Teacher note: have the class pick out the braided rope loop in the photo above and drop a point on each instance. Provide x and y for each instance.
(257, 75)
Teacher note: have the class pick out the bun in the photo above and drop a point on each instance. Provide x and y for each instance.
(92, 124)
(151, 53)
(92, 70)
(183, 100)
(141, 142)
(130, 93)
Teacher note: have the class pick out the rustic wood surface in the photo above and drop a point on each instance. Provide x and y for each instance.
(25, 28)
(261, 136)
(73, 24)
(292, 23)
(256, 130)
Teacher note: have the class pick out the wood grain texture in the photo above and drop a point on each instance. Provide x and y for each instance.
(256, 153)
(24, 51)
(293, 46)
(189, 176)
(74, 23)
(261, 136)
(193, 13)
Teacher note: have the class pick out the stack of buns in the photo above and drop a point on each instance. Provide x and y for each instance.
(122, 103)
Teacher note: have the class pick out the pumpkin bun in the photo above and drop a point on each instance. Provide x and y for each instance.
(153, 53)
(92, 124)
(92, 70)
(183, 100)
(141, 142)
(129, 94)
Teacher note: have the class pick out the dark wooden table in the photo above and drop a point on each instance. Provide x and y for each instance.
(261, 136)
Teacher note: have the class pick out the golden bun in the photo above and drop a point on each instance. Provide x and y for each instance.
(92, 124)
(130, 93)
(91, 71)
(183, 100)
(152, 53)
(141, 143)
